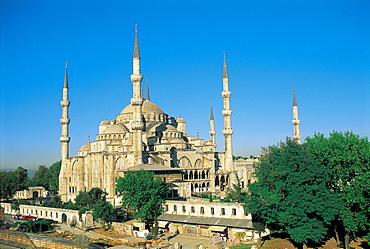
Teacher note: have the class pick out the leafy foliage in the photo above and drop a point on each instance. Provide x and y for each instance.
(35, 226)
(103, 211)
(347, 156)
(235, 192)
(291, 193)
(89, 199)
(47, 177)
(12, 181)
(143, 193)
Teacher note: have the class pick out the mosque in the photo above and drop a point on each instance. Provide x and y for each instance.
(143, 136)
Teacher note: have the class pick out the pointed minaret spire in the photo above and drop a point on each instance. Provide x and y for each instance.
(296, 136)
(66, 75)
(294, 98)
(64, 121)
(212, 132)
(147, 97)
(137, 124)
(136, 45)
(226, 112)
(225, 67)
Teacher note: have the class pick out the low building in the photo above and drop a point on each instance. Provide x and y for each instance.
(198, 216)
(33, 193)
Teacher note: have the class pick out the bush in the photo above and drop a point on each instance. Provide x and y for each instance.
(35, 226)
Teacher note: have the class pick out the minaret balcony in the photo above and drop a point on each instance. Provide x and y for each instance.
(136, 101)
(136, 77)
(226, 94)
(296, 121)
(228, 132)
(65, 120)
(137, 125)
(64, 103)
(226, 112)
(65, 139)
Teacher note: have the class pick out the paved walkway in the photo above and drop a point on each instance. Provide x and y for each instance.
(167, 238)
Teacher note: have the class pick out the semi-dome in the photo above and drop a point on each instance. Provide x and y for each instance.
(114, 129)
(148, 107)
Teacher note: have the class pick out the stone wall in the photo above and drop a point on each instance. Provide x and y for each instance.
(39, 241)
(58, 214)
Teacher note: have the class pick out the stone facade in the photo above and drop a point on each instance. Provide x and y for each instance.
(58, 214)
(143, 134)
(33, 192)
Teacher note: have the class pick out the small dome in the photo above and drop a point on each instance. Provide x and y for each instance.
(104, 122)
(114, 129)
(148, 107)
(85, 147)
(170, 128)
(180, 120)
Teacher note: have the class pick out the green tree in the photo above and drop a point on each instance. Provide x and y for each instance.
(104, 212)
(12, 181)
(235, 192)
(347, 156)
(143, 193)
(54, 171)
(89, 199)
(291, 193)
(41, 177)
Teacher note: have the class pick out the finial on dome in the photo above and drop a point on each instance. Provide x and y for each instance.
(225, 67)
(136, 46)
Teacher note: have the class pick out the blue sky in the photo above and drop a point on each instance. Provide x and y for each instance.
(320, 47)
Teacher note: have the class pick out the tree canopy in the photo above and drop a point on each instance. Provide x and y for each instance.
(235, 192)
(347, 156)
(89, 199)
(47, 177)
(12, 181)
(291, 193)
(143, 193)
(103, 211)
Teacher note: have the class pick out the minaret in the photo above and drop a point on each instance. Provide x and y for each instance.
(296, 136)
(147, 96)
(137, 103)
(64, 139)
(226, 113)
(212, 132)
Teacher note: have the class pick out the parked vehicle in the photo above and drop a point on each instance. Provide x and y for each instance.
(32, 218)
(17, 216)
(25, 217)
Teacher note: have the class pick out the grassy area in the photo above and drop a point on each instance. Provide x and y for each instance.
(245, 246)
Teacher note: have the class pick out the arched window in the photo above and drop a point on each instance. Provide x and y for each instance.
(184, 162)
(217, 181)
(198, 163)
(191, 176)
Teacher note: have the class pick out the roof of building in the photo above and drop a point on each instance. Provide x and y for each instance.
(214, 221)
(148, 107)
(114, 129)
(151, 167)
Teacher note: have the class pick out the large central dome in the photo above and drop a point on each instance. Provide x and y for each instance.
(148, 107)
